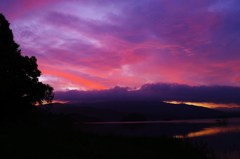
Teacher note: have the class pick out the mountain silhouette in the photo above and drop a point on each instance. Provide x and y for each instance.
(149, 110)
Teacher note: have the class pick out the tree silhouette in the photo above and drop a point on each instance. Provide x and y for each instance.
(20, 87)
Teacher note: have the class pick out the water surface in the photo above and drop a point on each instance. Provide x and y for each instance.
(220, 135)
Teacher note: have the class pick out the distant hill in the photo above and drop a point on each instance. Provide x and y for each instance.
(133, 110)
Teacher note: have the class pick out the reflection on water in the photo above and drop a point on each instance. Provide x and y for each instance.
(211, 131)
(222, 136)
(194, 121)
(176, 128)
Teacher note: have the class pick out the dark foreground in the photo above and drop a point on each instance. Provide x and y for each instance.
(40, 135)
(68, 144)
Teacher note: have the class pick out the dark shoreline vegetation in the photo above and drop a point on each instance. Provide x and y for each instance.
(44, 143)
(50, 135)
(41, 135)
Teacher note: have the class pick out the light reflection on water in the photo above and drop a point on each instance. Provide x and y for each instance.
(176, 128)
(222, 135)
(193, 121)
(211, 131)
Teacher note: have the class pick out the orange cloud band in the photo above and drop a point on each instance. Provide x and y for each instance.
(75, 79)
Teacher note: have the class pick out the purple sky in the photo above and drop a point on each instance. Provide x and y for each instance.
(98, 44)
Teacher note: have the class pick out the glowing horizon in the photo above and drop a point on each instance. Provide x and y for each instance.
(207, 104)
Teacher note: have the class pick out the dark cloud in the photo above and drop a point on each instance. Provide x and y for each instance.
(215, 94)
(165, 92)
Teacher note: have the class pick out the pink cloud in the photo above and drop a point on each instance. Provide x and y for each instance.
(75, 79)
(95, 45)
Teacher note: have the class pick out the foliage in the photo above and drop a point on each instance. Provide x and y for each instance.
(54, 143)
(19, 74)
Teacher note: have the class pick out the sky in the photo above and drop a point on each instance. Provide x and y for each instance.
(100, 44)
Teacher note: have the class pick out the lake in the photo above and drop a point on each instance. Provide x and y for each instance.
(220, 135)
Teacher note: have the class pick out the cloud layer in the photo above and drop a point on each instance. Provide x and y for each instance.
(224, 95)
(99, 44)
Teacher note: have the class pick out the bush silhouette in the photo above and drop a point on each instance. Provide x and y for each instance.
(20, 86)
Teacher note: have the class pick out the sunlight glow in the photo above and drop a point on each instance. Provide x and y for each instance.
(76, 79)
(206, 104)
(210, 131)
